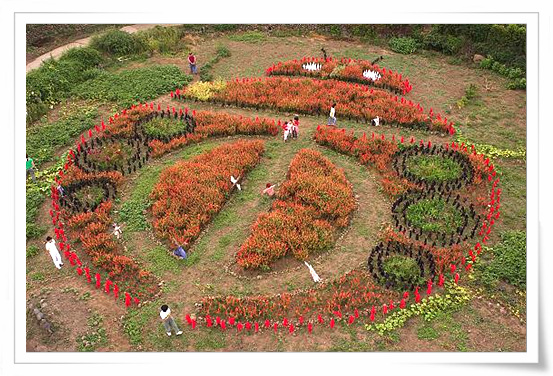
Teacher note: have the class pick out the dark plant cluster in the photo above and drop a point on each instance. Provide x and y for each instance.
(455, 231)
(126, 164)
(71, 201)
(408, 281)
(402, 157)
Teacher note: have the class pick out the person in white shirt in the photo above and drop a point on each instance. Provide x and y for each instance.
(117, 231)
(168, 321)
(376, 121)
(53, 250)
(332, 116)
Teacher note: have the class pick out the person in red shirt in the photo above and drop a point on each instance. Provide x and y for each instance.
(296, 129)
(192, 62)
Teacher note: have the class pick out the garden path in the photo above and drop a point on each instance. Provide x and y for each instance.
(83, 42)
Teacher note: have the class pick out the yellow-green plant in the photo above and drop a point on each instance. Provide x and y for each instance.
(204, 90)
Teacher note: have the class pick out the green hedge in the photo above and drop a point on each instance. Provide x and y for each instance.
(118, 43)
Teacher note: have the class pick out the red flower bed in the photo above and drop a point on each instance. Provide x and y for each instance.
(190, 193)
(344, 70)
(353, 290)
(312, 204)
(212, 124)
(93, 231)
(314, 97)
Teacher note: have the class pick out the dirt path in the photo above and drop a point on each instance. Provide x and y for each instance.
(57, 52)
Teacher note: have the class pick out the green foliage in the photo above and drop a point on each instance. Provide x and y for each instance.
(133, 86)
(508, 263)
(161, 127)
(118, 43)
(433, 167)
(95, 336)
(489, 150)
(402, 269)
(45, 138)
(91, 195)
(429, 308)
(32, 251)
(448, 44)
(38, 276)
(225, 27)
(470, 93)
(248, 37)
(336, 31)
(427, 333)
(54, 79)
(434, 215)
(34, 199)
(403, 45)
(516, 75)
(135, 321)
(211, 340)
(165, 40)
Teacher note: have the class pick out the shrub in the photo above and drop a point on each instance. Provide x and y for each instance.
(401, 270)
(55, 79)
(118, 43)
(403, 45)
(516, 75)
(165, 40)
(32, 251)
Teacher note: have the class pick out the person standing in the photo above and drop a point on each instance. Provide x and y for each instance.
(332, 116)
(192, 62)
(269, 189)
(53, 250)
(296, 126)
(168, 321)
(30, 165)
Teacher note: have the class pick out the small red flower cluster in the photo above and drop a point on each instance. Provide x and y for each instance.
(312, 204)
(212, 124)
(314, 97)
(343, 70)
(190, 193)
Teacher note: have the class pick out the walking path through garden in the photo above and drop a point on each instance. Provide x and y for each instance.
(83, 42)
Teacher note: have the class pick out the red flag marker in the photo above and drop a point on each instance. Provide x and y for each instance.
(127, 300)
(332, 323)
(309, 327)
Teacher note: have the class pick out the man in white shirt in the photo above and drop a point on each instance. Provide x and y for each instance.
(53, 250)
(332, 116)
(168, 321)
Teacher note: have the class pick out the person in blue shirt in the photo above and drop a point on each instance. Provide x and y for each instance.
(180, 252)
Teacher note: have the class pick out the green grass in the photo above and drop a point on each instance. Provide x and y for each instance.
(402, 270)
(95, 335)
(164, 127)
(434, 215)
(160, 261)
(211, 340)
(508, 263)
(134, 85)
(433, 167)
(32, 251)
(427, 333)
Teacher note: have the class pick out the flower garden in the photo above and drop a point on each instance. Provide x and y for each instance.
(442, 200)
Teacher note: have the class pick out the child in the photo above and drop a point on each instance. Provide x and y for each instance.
(168, 321)
(192, 63)
(375, 121)
(332, 116)
(30, 164)
(269, 189)
(287, 130)
(179, 251)
(117, 231)
(53, 250)
(296, 129)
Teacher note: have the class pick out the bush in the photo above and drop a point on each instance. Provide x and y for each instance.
(165, 40)
(118, 43)
(517, 75)
(33, 201)
(404, 45)
(402, 269)
(133, 86)
(54, 79)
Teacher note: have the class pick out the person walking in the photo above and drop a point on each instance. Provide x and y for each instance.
(53, 251)
(168, 321)
(332, 116)
(30, 165)
(296, 129)
(192, 63)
